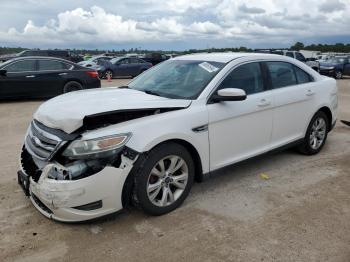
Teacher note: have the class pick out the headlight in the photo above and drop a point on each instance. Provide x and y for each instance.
(97, 146)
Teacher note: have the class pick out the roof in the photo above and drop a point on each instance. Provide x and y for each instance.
(36, 57)
(224, 57)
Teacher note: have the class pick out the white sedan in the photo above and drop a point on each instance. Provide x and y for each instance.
(90, 153)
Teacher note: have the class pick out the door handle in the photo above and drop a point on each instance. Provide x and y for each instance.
(264, 103)
(62, 74)
(31, 76)
(310, 92)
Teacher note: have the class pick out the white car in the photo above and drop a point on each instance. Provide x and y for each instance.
(89, 153)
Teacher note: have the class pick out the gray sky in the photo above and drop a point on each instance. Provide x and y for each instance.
(172, 24)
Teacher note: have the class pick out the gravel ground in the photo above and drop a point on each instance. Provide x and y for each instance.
(301, 213)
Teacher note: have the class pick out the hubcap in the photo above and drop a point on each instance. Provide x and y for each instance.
(167, 180)
(318, 133)
(108, 74)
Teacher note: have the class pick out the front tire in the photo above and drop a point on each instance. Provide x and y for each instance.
(164, 180)
(316, 134)
(108, 74)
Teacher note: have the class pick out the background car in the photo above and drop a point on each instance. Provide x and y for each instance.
(95, 60)
(122, 66)
(38, 77)
(63, 54)
(315, 65)
(154, 58)
(336, 67)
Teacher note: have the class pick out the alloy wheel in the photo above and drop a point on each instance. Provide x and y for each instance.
(318, 133)
(167, 180)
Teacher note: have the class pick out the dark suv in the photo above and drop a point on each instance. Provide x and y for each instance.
(336, 67)
(63, 54)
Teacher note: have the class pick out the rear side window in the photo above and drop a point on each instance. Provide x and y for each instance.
(21, 66)
(45, 65)
(302, 76)
(300, 57)
(247, 77)
(134, 60)
(282, 74)
(290, 54)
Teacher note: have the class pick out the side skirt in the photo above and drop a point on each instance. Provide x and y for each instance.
(206, 176)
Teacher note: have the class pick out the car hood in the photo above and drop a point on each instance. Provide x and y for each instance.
(67, 112)
(328, 64)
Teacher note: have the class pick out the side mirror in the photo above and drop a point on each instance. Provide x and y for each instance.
(229, 94)
(3, 72)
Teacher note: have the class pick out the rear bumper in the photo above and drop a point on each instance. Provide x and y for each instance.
(95, 83)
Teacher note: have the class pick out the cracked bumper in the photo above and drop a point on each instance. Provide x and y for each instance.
(58, 199)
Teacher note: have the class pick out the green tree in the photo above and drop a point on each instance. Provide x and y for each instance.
(297, 46)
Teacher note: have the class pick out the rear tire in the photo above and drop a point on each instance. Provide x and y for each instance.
(72, 86)
(316, 134)
(164, 180)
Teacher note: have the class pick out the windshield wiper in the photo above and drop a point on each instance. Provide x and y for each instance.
(124, 87)
(149, 92)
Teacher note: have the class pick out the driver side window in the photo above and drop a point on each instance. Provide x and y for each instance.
(124, 61)
(247, 77)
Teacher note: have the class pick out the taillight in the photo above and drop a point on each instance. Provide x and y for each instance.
(92, 74)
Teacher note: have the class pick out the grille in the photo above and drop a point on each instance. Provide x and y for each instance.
(41, 204)
(40, 143)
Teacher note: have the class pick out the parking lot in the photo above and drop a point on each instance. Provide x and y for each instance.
(299, 212)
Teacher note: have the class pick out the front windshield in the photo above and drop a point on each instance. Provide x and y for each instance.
(183, 79)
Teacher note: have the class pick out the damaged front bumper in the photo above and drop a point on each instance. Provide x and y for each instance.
(82, 199)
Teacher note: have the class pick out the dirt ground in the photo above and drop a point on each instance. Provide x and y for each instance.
(302, 213)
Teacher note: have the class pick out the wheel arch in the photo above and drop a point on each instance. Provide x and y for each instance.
(328, 113)
(129, 184)
(73, 80)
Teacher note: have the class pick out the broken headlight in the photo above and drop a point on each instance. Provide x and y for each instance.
(102, 146)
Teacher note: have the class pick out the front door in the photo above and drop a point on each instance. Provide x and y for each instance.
(19, 80)
(241, 129)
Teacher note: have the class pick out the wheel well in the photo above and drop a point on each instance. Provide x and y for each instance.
(73, 80)
(129, 183)
(328, 113)
(195, 156)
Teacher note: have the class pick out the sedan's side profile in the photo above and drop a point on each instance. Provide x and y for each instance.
(42, 77)
(147, 143)
(122, 66)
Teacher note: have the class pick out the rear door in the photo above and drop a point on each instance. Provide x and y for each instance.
(135, 66)
(20, 79)
(293, 91)
(52, 75)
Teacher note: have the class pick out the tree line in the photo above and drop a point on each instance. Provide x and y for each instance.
(338, 48)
